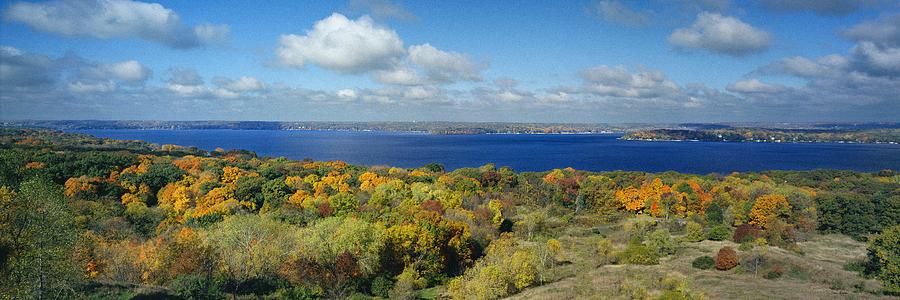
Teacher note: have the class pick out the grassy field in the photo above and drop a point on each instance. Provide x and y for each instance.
(818, 273)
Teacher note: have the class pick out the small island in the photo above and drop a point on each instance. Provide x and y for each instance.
(766, 135)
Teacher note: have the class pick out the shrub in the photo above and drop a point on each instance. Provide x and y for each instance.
(704, 263)
(719, 233)
(884, 259)
(726, 259)
(605, 249)
(407, 283)
(714, 214)
(381, 286)
(637, 254)
(195, 287)
(746, 232)
(746, 246)
(694, 232)
(295, 293)
(676, 286)
(775, 272)
(660, 241)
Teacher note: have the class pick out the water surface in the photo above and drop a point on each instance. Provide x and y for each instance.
(593, 152)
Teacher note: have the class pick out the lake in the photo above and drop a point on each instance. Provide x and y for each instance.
(593, 152)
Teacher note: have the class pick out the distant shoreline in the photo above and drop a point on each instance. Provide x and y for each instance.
(770, 135)
(464, 128)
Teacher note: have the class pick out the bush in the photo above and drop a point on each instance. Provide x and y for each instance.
(746, 246)
(195, 287)
(694, 232)
(726, 259)
(714, 214)
(746, 232)
(660, 241)
(719, 233)
(295, 293)
(605, 249)
(637, 254)
(381, 286)
(703, 263)
(884, 259)
(774, 273)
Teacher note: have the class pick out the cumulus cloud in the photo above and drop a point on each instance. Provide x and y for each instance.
(400, 75)
(721, 34)
(92, 77)
(20, 71)
(826, 66)
(242, 84)
(876, 59)
(616, 12)
(619, 82)
(877, 49)
(884, 31)
(754, 86)
(115, 19)
(821, 7)
(346, 94)
(343, 45)
(867, 76)
(130, 71)
(363, 47)
(382, 9)
(189, 84)
(444, 66)
(184, 76)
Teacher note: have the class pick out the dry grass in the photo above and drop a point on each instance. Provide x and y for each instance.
(817, 274)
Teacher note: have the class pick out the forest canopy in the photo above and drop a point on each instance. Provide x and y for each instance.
(88, 217)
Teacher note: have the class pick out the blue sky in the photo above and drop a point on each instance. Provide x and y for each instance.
(526, 61)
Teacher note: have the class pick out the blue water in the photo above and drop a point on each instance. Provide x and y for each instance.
(595, 152)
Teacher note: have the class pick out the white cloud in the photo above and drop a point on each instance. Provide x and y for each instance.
(721, 34)
(754, 86)
(212, 33)
(616, 12)
(98, 87)
(24, 71)
(183, 76)
(401, 75)
(346, 94)
(343, 45)
(444, 66)
(188, 84)
(114, 19)
(242, 84)
(875, 59)
(130, 71)
(826, 66)
(619, 82)
(884, 31)
(510, 96)
(19, 70)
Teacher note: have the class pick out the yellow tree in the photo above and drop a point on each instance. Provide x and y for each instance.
(767, 208)
(630, 199)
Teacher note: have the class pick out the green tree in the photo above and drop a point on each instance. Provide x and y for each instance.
(848, 213)
(251, 246)
(40, 231)
(884, 259)
(714, 214)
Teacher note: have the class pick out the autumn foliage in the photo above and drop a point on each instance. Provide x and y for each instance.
(726, 259)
